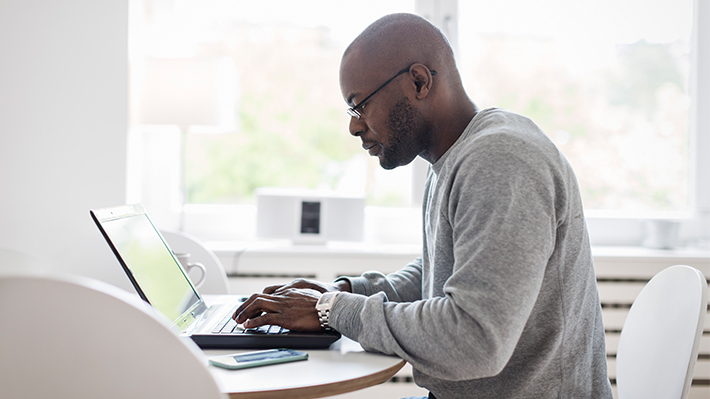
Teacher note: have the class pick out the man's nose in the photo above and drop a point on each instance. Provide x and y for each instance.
(357, 126)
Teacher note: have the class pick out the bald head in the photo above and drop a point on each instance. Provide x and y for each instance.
(420, 106)
(399, 40)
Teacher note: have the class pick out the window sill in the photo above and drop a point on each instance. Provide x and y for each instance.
(641, 253)
(402, 226)
(282, 258)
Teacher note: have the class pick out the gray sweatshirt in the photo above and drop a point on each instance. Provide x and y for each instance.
(503, 302)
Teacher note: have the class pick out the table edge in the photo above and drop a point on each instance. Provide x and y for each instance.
(323, 390)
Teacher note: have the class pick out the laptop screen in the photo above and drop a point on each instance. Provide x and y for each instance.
(154, 269)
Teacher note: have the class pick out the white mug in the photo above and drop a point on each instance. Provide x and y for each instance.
(184, 259)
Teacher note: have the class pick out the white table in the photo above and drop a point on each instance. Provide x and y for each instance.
(345, 367)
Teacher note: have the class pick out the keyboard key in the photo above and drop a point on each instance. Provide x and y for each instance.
(231, 325)
(220, 325)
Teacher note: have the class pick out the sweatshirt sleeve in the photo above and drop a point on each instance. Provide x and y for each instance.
(495, 231)
(404, 285)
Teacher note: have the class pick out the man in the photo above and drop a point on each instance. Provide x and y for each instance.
(503, 301)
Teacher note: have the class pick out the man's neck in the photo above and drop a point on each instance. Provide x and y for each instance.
(449, 130)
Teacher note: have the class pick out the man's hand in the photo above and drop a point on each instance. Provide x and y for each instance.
(300, 283)
(290, 308)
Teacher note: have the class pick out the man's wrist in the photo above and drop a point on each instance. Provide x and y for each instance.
(343, 285)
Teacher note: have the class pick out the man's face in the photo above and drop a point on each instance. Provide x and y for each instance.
(390, 127)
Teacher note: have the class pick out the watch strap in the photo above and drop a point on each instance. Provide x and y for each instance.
(324, 319)
(324, 311)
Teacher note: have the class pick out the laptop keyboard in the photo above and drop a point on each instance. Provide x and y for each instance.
(229, 326)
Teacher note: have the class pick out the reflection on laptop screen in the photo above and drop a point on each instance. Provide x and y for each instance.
(153, 267)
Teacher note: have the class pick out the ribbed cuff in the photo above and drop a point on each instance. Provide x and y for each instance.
(358, 285)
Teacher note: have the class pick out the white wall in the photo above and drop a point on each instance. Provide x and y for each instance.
(63, 127)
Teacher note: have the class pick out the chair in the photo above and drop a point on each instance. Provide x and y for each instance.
(75, 337)
(659, 341)
(14, 262)
(216, 281)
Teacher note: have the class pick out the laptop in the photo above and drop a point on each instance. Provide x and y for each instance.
(161, 281)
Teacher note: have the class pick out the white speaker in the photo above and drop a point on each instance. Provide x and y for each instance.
(308, 216)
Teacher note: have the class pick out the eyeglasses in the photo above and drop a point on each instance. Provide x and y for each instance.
(354, 112)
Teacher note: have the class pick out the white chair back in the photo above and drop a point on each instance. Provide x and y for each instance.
(74, 337)
(14, 262)
(216, 279)
(659, 342)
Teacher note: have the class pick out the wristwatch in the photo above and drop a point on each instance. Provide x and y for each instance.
(325, 303)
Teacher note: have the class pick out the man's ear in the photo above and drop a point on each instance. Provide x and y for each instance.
(422, 80)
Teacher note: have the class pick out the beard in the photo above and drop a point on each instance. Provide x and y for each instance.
(408, 134)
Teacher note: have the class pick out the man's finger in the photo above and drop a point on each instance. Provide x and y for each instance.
(264, 319)
(272, 288)
(244, 305)
(257, 305)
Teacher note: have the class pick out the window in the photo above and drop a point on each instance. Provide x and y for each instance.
(291, 130)
(608, 81)
(614, 84)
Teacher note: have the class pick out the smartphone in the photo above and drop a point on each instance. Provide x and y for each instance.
(258, 358)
